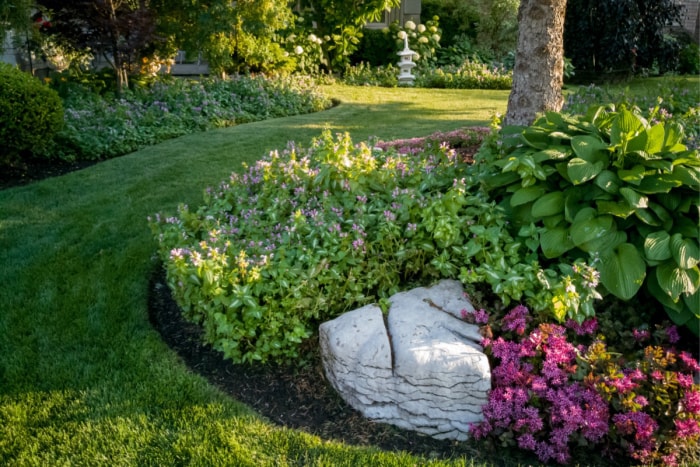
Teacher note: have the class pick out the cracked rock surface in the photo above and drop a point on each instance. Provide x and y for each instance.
(419, 368)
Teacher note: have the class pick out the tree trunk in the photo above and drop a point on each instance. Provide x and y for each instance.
(539, 61)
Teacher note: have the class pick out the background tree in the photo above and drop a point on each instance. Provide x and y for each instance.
(538, 75)
(121, 31)
(233, 36)
(341, 22)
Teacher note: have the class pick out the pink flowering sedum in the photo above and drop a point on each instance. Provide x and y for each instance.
(553, 391)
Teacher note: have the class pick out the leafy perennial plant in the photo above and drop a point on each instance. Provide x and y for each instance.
(304, 235)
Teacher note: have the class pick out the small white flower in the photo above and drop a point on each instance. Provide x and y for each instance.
(436, 37)
(402, 35)
(298, 50)
(312, 38)
(410, 25)
(423, 40)
(421, 28)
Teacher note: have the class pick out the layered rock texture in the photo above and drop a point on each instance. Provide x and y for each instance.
(420, 367)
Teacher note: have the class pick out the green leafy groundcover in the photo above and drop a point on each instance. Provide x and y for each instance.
(103, 126)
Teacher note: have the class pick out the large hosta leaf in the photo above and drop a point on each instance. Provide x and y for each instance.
(605, 243)
(527, 194)
(634, 198)
(625, 125)
(685, 251)
(655, 138)
(555, 242)
(616, 208)
(662, 183)
(673, 138)
(589, 148)
(689, 176)
(552, 153)
(549, 205)
(633, 175)
(675, 281)
(581, 171)
(657, 246)
(622, 271)
(662, 297)
(608, 181)
(585, 229)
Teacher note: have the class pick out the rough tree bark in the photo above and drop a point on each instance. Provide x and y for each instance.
(539, 61)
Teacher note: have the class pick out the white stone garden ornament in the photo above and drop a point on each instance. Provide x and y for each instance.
(406, 64)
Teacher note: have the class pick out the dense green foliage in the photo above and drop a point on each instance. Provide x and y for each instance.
(304, 235)
(548, 229)
(611, 189)
(30, 114)
(341, 25)
(98, 127)
(232, 36)
(675, 100)
(489, 25)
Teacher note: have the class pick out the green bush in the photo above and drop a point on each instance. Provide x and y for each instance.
(305, 235)
(364, 74)
(469, 75)
(31, 114)
(609, 188)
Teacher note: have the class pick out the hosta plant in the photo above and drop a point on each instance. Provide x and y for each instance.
(608, 188)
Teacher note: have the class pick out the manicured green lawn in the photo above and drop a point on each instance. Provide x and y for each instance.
(84, 379)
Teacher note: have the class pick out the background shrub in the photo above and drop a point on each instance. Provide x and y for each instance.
(305, 235)
(30, 114)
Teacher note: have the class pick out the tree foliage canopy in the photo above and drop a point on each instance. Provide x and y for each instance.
(121, 31)
(233, 36)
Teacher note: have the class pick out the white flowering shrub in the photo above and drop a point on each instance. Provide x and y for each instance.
(303, 46)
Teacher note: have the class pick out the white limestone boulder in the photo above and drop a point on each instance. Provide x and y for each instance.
(419, 368)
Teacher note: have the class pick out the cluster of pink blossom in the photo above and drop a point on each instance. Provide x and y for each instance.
(551, 392)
